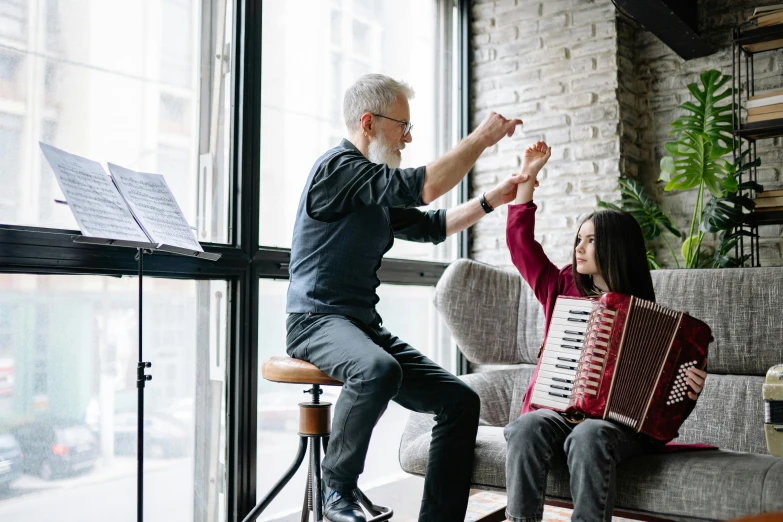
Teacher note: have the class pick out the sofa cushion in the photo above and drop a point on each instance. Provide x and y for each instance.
(729, 414)
(712, 484)
(741, 305)
(495, 318)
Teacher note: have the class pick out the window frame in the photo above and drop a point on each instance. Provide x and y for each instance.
(37, 250)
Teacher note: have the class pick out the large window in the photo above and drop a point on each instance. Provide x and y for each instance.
(113, 81)
(304, 81)
(130, 83)
(232, 104)
(68, 356)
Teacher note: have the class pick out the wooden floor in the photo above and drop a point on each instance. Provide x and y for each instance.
(404, 497)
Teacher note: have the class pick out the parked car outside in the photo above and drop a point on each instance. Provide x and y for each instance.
(55, 447)
(10, 460)
(163, 438)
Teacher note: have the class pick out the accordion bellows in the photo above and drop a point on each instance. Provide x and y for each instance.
(623, 359)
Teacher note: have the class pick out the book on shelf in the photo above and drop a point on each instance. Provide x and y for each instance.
(763, 46)
(766, 9)
(765, 109)
(128, 208)
(766, 94)
(769, 202)
(765, 99)
(774, 18)
(755, 118)
(770, 194)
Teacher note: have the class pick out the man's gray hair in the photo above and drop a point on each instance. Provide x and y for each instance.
(372, 93)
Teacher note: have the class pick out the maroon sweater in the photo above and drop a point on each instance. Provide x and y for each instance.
(547, 281)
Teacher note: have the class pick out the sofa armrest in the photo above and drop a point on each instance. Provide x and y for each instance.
(497, 390)
(481, 305)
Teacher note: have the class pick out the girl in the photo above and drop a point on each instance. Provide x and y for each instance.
(609, 255)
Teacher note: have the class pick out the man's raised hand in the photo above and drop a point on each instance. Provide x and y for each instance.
(494, 127)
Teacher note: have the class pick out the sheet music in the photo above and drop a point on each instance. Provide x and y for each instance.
(155, 208)
(93, 199)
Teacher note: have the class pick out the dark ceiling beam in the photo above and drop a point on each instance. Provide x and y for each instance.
(674, 22)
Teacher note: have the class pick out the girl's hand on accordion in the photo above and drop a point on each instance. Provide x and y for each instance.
(696, 380)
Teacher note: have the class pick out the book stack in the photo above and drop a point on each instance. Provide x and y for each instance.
(765, 106)
(765, 17)
(769, 201)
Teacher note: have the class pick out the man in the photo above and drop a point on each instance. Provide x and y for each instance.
(355, 202)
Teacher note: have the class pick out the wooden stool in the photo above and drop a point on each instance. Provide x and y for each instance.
(315, 425)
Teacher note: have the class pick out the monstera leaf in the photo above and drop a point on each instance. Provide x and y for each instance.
(695, 161)
(705, 116)
(649, 214)
(725, 213)
(721, 258)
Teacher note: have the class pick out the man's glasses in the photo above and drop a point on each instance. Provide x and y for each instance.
(407, 126)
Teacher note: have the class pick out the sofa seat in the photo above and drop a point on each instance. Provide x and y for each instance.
(676, 486)
(498, 325)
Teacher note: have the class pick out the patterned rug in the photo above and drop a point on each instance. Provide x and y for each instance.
(483, 503)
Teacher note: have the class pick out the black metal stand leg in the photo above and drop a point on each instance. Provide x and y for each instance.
(261, 506)
(141, 379)
(315, 458)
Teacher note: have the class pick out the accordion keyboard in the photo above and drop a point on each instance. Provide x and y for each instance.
(563, 347)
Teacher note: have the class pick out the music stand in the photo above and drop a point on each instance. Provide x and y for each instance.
(141, 377)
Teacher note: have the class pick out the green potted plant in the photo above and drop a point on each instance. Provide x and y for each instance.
(696, 160)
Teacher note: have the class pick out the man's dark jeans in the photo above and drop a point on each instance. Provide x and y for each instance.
(592, 450)
(376, 367)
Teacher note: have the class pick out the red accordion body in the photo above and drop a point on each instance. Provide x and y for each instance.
(628, 365)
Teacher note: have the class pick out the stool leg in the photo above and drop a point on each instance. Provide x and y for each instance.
(379, 513)
(261, 506)
(315, 484)
(307, 505)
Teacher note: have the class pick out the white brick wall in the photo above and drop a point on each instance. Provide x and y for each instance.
(602, 91)
(553, 64)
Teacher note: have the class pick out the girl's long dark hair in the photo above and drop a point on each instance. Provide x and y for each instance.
(620, 255)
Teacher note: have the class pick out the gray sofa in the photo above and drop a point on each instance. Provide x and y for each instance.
(498, 325)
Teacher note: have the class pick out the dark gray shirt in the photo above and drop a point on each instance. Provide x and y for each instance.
(350, 211)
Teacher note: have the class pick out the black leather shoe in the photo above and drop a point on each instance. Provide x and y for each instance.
(342, 507)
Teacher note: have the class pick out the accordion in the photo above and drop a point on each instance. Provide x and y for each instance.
(623, 359)
(772, 391)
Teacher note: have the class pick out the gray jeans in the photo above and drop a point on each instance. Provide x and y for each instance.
(377, 367)
(592, 449)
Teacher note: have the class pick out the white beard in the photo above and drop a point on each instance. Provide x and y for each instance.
(381, 152)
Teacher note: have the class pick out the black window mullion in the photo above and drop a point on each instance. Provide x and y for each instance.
(242, 375)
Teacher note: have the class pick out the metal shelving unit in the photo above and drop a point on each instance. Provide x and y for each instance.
(746, 134)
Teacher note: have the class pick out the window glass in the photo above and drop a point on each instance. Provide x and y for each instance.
(68, 398)
(304, 80)
(114, 81)
(408, 313)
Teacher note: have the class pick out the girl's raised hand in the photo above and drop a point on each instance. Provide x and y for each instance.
(535, 158)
